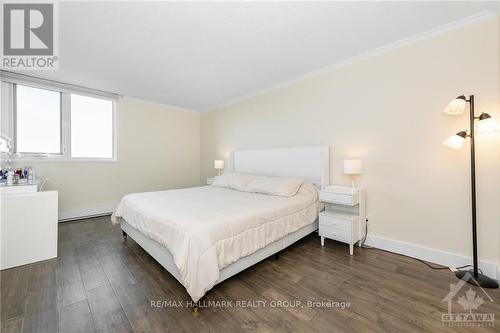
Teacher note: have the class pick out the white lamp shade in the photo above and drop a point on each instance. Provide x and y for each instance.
(353, 167)
(487, 125)
(454, 142)
(456, 106)
(219, 164)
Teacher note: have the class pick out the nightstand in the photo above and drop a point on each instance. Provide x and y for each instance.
(344, 218)
(210, 180)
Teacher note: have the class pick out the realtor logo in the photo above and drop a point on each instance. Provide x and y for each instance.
(470, 301)
(30, 38)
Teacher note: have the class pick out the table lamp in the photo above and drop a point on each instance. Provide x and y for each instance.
(219, 165)
(353, 167)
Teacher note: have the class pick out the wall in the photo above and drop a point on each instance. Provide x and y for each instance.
(158, 148)
(387, 110)
(498, 108)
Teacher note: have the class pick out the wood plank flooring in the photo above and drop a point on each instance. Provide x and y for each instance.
(100, 283)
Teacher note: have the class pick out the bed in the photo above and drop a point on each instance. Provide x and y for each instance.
(204, 235)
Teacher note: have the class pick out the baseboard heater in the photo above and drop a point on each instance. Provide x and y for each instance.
(82, 214)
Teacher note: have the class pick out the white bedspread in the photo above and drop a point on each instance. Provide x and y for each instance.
(208, 228)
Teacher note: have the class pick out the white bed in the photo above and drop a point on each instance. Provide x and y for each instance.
(204, 235)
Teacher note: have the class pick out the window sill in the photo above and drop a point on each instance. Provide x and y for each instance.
(31, 159)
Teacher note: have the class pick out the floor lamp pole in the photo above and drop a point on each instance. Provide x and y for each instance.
(473, 185)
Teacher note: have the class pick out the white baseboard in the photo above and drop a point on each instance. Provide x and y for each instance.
(85, 213)
(431, 255)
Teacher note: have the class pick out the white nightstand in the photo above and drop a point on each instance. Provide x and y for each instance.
(344, 218)
(210, 180)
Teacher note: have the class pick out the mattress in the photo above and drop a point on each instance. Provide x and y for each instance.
(208, 228)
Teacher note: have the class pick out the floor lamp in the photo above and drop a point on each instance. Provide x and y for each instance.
(485, 123)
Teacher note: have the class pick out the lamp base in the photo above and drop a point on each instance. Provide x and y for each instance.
(480, 280)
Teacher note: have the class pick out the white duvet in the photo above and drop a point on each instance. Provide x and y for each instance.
(208, 228)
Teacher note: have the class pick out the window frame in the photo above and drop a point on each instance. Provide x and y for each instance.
(65, 128)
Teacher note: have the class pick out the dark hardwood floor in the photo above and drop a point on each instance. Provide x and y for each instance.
(101, 283)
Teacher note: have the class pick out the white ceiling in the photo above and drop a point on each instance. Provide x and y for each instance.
(202, 55)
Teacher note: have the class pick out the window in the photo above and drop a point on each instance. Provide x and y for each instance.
(56, 123)
(38, 120)
(91, 127)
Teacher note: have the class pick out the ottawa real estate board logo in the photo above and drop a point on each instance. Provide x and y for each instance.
(30, 38)
(469, 302)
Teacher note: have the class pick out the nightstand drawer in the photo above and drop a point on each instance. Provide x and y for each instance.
(335, 233)
(334, 222)
(341, 198)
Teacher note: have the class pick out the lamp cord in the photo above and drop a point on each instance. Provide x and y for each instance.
(403, 255)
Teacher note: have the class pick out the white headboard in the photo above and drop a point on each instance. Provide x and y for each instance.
(311, 163)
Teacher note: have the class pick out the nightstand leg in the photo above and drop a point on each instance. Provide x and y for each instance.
(351, 249)
(322, 241)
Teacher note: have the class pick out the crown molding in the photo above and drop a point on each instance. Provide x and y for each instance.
(466, 21)
(172, 107)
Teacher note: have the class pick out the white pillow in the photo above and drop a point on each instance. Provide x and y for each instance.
(235, 181)
(281, 186)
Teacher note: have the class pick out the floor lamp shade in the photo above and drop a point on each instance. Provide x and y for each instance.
(487, 123)
(456, 141)
(456, 106)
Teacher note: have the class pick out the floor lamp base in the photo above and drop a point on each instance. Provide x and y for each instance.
(481, 280)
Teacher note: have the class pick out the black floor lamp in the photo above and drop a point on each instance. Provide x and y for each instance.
(485, 123)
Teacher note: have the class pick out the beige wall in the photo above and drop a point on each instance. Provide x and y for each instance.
(387, 110)
(498, 108)
(158, 148)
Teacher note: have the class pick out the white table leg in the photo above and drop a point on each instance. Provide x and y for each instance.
(351, 249)
(322, 241)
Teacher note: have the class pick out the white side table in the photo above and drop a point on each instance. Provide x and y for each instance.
(344, 218)
(210, 180)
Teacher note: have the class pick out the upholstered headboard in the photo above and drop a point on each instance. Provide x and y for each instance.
(311, 163)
